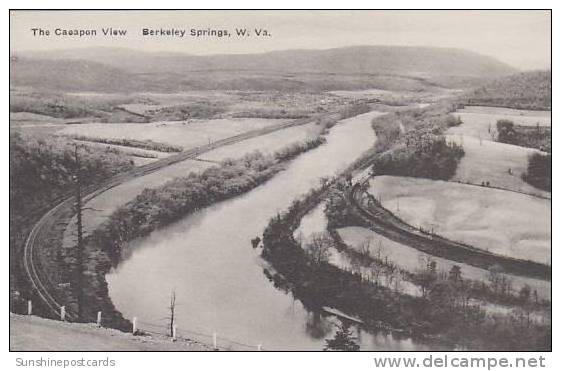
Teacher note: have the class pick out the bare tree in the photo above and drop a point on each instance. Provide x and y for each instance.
(172, 313)
(318, 247)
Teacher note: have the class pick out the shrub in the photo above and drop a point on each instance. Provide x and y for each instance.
(539, 171)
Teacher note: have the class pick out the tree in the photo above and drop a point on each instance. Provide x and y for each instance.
(524, 293)
(172, 313)
(427, 275)
(344, 340)
(455, 274)
(538, 173)
(318, 247)
(507, 133)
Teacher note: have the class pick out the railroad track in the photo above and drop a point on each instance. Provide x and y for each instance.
(39, 280)
(388, 225)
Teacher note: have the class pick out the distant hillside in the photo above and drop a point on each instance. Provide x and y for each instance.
(124, 69)
(527, 90)
(77, 75)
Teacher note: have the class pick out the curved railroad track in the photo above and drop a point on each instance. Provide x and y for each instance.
(390, 226)
(40, 233)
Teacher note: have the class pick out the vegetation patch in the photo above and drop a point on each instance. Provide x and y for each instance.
(527, 90)
(143, 144)
(42, 171)
(539, 171)
(424, 156)
(532, 137)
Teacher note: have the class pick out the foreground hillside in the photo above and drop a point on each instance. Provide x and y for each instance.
(39, 334)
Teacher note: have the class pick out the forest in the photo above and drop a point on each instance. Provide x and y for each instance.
(527, 90)
(42, 170)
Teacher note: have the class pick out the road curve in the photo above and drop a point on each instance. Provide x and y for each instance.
(388, 225)
(40, 232)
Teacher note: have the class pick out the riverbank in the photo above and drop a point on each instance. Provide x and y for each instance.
(208, 259)
(442, 315)
(156, 208)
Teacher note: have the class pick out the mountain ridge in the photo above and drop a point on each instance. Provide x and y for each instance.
(127, 69)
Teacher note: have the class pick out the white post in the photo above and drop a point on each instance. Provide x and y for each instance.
(134, 325)
(174, 333)
(99, 318)
(259, 347)
(214, 342)
(29, 307)
(62, 313)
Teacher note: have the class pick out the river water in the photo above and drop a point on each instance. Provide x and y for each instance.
(208, 260)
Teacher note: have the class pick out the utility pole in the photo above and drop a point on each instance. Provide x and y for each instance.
(79, 230)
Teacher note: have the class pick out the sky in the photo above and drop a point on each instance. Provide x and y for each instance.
(519, 38)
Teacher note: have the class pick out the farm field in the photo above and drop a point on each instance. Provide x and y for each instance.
(185, 134)
(480, 122)
(266, 144)
(410, 259)
(22, 118)
(139, 155)
(501, 222)
(487, 161)
(544, 117)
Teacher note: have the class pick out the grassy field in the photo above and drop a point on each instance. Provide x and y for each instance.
(487, 161)
(184, 134)
(138, 155)
(266, 144)
(411, 259)
(502, 222)
(480, 122)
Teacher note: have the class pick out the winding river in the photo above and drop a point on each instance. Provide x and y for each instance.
(208, 260)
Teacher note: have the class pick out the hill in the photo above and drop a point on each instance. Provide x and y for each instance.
(67, 75)
(124, 69)
(526, 90)
(411, 61)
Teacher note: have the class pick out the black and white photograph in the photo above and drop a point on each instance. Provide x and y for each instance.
(280, 180)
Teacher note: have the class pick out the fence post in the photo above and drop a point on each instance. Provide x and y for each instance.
(214, 341)
(62, 313)
(29, 307)
(174, 333)
(99, 318)
(134, 326)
